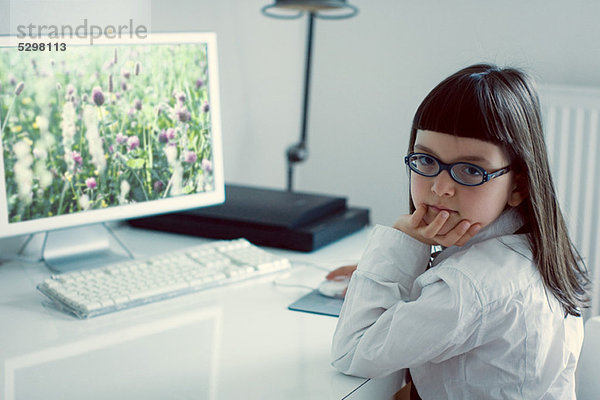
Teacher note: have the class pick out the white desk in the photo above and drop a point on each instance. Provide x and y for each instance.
(235, 342)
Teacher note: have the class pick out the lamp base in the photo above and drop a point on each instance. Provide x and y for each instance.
(267, 217)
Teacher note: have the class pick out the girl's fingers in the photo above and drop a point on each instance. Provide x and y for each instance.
(431, 230)
(455, 234)
(417, 216)
(414, 225)
(460, 235)
(468, 235)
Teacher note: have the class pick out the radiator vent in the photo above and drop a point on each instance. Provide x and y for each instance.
(571, 125)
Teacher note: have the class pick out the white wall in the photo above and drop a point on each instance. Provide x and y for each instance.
(369, 75)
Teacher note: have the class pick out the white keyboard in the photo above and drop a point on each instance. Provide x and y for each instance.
(92, 292)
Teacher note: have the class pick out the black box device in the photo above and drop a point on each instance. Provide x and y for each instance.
(267, 217)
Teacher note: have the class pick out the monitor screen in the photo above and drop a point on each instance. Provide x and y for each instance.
(117, 129)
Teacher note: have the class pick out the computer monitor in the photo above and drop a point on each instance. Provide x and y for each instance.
(110, 128)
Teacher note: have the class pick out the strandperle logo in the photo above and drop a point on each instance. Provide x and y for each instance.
(83, 31)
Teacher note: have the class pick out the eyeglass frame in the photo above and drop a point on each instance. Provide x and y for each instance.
(486, 176)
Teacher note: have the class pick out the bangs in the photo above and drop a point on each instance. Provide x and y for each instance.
(468, 105)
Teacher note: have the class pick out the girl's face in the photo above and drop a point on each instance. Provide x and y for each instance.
(478, 204)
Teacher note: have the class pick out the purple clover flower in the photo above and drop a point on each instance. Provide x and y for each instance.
(158, 186)
(190, 157)
(97, 96)
(171, 133)
(137, 104)
(120, 138)
(162, 136)
(207, 165)
(126, 74)
(205, 107)
(19, 88)
(77, 158)
(90, 183)
(199, 83)
(133, 142)
(183, 114)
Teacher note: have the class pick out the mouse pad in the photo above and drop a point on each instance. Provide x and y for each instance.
(316, 303)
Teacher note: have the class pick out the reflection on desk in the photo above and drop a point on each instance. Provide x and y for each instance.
(233, 342)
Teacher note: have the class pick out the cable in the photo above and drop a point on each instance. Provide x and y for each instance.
(309, 264)
(297, 285)
(299, 263)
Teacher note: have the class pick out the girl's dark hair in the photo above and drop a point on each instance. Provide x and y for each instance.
(501, 106)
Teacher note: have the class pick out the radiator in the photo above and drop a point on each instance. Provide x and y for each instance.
(571, 117)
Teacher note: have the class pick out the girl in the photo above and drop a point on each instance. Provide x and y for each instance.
(497, 314)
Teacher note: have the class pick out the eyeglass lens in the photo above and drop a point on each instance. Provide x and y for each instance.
(464, 173)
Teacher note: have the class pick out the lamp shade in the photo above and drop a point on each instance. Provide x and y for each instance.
(325, 9)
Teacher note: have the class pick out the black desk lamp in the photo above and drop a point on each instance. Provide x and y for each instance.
(293, 9)
(267, 217)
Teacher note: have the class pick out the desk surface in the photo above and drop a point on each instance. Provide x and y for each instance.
(238, 341)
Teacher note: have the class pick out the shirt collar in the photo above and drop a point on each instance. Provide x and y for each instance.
(507, 223)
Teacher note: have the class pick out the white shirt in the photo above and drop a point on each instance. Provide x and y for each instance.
(479, 324)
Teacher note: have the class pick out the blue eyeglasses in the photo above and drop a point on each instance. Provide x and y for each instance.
(462, 172)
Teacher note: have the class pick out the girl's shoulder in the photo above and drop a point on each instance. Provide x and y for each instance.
(495, 268)
(500, 253)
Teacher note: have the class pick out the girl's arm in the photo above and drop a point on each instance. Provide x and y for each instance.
(413, 225)
(384, 327)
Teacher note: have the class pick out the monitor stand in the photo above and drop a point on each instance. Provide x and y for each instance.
(82, 248)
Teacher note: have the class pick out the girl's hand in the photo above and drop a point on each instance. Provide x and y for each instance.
(341, 273)
(414, 226)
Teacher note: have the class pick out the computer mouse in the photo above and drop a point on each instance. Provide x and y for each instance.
(335, 288)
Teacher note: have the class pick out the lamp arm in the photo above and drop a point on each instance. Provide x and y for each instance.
(298, 152)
